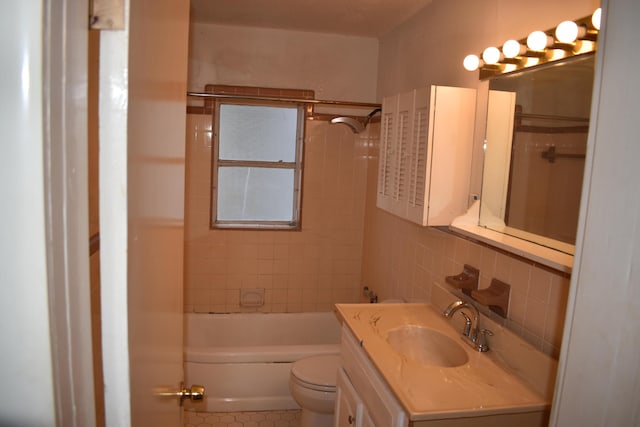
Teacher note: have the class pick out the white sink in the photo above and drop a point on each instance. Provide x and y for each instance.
(426, 345)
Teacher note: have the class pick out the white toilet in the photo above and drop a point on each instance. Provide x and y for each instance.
(312, 382)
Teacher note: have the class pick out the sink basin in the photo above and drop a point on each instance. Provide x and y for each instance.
(426, 345)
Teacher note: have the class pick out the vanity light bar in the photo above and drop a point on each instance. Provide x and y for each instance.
(568, 39)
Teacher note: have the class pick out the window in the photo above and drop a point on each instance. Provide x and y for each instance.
(257, 164)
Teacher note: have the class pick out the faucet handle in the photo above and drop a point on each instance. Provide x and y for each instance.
(483, 345)
(467, 324)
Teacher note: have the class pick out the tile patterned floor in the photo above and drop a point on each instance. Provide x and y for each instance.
(242, 419)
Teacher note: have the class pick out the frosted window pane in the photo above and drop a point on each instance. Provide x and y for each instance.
(255, 194)
(250, 132)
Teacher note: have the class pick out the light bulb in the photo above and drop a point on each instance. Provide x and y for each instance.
(491, 55)
(471, 62)
(595, 18)
(538, 40)
(567, 32)
(512, 48)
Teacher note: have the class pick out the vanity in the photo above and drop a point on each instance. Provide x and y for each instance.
(407, 365)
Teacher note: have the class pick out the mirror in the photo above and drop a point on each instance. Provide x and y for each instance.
(536, 136)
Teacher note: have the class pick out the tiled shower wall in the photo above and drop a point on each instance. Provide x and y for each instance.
(307, 270)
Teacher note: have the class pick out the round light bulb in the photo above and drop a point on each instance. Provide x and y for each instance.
(567, 32)
(491, 55)
(511, 49)
(595, 18)
(537, 40)
(471, 62)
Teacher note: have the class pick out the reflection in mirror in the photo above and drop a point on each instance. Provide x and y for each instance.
(536, 136)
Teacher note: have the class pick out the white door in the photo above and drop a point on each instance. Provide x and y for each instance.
(142, 160)
(44, 308)
(25, 359)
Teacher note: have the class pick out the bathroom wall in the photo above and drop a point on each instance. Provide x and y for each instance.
(404, 260)
(334, 66)
(307, 270)
(398, 259)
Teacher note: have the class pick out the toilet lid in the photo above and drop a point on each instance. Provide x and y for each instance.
(318, 370)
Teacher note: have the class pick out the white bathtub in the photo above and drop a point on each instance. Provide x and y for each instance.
(243, 360)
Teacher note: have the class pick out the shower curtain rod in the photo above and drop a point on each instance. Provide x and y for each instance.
(302, 101)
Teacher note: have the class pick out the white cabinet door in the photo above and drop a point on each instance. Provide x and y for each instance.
(421, 145)
(394, 153)
(452, 123)
(366, 420)
(426, 144)
(348, 409)
(379, 405)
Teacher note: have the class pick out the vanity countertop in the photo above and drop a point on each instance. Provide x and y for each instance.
(484, 385)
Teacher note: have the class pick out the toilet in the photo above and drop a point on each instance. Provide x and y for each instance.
(312, 383)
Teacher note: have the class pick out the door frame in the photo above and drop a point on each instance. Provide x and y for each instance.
(65, 38)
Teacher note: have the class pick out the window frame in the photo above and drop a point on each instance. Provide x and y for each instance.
(296, 166)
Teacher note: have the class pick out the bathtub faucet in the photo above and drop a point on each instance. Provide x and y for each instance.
(373, 298)
(473, 335)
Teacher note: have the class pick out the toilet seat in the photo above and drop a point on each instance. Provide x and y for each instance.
(316, 372)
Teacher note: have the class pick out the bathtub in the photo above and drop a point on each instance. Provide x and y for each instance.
(243, 360)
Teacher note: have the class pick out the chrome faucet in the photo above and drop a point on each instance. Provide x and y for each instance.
(475, 336)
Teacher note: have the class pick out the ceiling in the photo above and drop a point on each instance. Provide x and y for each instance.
(367, 18)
